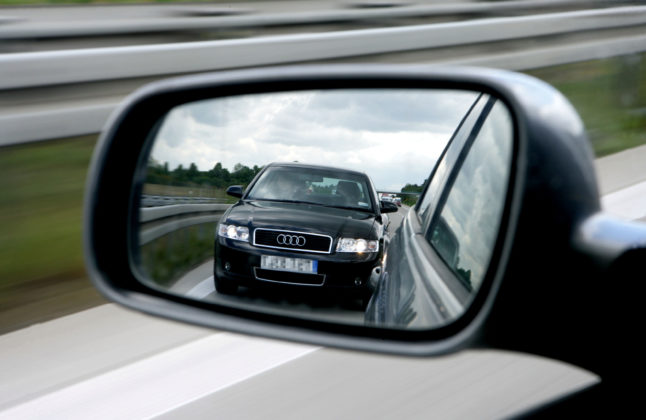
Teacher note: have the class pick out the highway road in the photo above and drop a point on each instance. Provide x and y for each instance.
(109, 362)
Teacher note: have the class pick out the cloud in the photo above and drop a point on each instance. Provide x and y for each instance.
(395, 136)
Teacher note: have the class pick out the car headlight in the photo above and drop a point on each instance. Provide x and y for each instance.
(239, 233)
(357, 245)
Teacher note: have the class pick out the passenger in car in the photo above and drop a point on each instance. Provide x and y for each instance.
(350, 192)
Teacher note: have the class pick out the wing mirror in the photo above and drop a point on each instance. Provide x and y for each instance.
(235, 191)
(502, 213)
(388, 207)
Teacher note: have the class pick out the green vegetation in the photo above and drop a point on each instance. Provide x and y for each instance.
(610, 96)
(192, 182)
(41, 204)
(216, 178)
(41, 261)
(411, 200)
(167, 258)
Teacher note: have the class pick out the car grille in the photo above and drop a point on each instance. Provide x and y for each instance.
(289, 277)
(293, 241)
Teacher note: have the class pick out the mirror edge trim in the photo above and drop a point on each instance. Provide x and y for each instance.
(500, 83)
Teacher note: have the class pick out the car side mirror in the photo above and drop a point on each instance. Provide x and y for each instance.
(388, 207)
(235, 191)
(501, 242)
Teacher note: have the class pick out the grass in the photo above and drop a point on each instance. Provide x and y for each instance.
(41, 190)
(167, 258)
(40, 209)
(610, 96)
(42, 275)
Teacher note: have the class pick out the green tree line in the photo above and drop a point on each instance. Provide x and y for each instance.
(217, 177)
(410, 200)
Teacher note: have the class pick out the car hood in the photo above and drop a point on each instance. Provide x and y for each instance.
(302, 217)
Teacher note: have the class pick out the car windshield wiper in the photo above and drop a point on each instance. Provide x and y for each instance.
(347, 208)
(284, 201)
(315, 204)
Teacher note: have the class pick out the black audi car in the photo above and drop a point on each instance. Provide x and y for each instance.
(302, 226)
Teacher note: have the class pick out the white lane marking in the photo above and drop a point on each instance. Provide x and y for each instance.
(165, 381)
(202, 289)
(628, 203)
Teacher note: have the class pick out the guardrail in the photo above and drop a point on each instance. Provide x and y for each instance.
(89, 68)
(400, 193)
(29, 70)
(159, 221)
(243, 18)
(166, 200)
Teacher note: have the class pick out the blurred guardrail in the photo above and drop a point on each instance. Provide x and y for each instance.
(192, 18)
(165, 200)
(40, 69)
(50, 95)
(156, 222)
(413, 193)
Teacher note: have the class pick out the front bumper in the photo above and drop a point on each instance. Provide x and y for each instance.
(240, 263)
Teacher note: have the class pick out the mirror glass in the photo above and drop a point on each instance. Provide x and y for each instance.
(376, 207)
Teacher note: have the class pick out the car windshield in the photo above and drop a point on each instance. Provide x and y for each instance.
(325, 187)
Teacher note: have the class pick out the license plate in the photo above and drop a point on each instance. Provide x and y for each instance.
(296, 265)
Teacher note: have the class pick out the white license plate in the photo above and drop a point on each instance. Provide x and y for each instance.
(296, 265)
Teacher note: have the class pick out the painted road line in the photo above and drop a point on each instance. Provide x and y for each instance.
(67, 350)
(163, 382)
(628, 203)
(202, 289)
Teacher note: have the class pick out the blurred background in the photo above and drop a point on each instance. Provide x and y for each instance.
(65, 64)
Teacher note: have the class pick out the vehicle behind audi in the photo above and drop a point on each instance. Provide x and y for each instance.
(302, 226)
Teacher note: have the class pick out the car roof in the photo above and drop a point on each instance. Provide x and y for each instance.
(305, 165)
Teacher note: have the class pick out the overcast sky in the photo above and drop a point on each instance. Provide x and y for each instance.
(395, 136)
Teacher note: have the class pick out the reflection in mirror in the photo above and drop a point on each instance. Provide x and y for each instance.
(305, 203)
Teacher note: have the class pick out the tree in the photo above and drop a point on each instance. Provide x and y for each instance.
(218, 177)
(410, 200)
(192, 173)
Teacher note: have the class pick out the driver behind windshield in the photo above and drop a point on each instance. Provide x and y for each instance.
(281, 186)
(327, 187)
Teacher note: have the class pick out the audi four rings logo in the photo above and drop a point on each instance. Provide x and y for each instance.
(292, 240)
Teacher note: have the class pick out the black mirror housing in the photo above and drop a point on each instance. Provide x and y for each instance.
(388, 207)
(552, 193)
(235, 191)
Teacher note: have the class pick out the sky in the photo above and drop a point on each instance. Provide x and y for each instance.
(395, 136)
